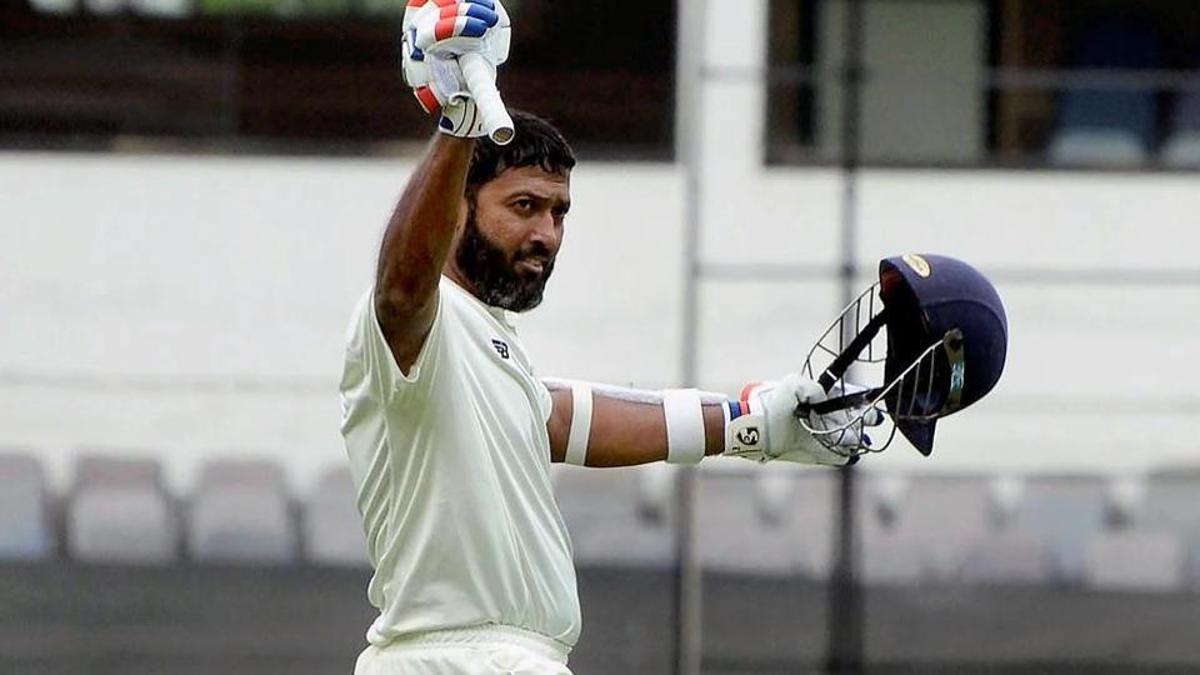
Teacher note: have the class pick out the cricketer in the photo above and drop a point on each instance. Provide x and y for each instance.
(449, 432)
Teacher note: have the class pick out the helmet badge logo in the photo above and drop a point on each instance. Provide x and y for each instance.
(918, 265)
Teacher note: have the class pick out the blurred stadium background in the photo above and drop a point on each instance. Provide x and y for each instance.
(191, 195)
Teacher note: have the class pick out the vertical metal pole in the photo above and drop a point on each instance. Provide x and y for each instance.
(845, 648)
(689, 101)
(235, 33)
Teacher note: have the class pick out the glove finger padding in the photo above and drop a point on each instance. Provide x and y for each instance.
(453, 28)
(462, 119)
(456, 27)
(847, 427)
(435, 33)
(445, 91)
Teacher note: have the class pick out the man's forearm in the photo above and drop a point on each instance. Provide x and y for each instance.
(627, 432)
(417, 242)
(423, 223)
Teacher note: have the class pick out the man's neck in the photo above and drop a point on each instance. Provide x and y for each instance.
(452, 272)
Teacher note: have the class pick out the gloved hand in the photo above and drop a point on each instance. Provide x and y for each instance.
(436, 34)
(763, 425)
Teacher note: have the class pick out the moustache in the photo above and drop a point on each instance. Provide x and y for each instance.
(537, 253)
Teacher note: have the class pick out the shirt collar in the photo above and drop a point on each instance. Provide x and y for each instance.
(502, 315)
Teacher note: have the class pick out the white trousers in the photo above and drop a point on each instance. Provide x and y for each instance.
(490, 650)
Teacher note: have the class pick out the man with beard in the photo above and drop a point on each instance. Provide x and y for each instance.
(449, 433)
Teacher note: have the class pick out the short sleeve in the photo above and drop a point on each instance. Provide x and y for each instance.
(545, 401)
(370, 366)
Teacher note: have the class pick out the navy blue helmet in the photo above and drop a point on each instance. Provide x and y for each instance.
(932, 298)
(946, 342)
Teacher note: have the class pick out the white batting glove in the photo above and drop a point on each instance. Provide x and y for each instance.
(763, 425)
(435, 34)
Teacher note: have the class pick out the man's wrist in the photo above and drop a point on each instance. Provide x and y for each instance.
(715, 419)
(714, 428)
(745, 427)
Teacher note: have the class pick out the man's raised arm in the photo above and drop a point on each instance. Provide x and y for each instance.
(420, 233)
(416, 244)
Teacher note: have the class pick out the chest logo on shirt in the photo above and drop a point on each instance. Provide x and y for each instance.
(501, 348)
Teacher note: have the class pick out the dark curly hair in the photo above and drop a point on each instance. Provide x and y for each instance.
(537, 143)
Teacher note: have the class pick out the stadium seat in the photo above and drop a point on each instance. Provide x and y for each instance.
(877, 504)
(764, 522)
(24, 523)
(1064, 513)
(1097, 147)
(608, 521)
(1191, 564)
(924, 528)
(655, 493)
(788, 512)
(381, 8)
(888, 555)
(104, 7)
(54, 6)
(813, 515)
(333, 531)
(120, 513)
(947, 516)
(1172, 505)
(1130, 560)
(1007, 558)
(1109, 127)
(244, 7)
(167, 9)
(332, 7)
(1123, 502)
(1181, 148)
(892, 558)
(239, 514)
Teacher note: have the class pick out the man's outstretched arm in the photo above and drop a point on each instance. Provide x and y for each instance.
(605, 426)
(416, 244)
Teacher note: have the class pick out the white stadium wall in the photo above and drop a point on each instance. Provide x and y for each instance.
(192, 307)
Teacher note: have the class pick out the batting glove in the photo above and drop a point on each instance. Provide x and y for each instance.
(435, 34)
(763, 425)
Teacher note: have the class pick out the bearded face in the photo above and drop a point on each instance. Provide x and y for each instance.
(515, 281)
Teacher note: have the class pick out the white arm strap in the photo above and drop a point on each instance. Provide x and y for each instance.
(685, 426)
(682, 409)
(581, 424)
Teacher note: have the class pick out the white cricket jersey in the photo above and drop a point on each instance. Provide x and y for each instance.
(452, 469)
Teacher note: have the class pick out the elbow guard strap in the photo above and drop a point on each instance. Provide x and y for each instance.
(581, 424)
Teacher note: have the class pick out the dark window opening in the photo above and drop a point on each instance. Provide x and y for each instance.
(313, 75)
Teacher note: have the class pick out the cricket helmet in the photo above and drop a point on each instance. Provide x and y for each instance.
(932, 298)
(938, 329)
